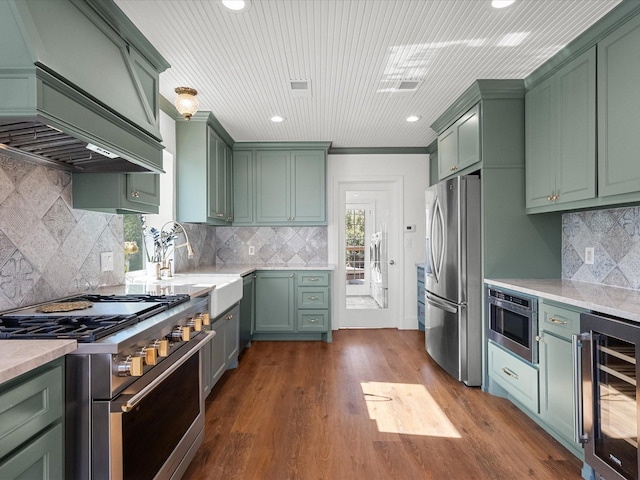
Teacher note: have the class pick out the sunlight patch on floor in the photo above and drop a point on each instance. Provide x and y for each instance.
(407, 409)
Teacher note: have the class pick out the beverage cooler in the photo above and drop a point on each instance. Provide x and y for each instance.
(607, 355)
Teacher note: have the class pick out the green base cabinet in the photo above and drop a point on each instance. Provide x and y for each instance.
(280, 184)
(560, 123)
(203, 173)
(275, 302)
(116, 192)
(247, 311)
(517, 377)
(221, 353)
(31, 424)
(292, 305)
(420, 296)
(556, 324)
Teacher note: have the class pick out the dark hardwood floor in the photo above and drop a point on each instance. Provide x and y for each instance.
(371, 405)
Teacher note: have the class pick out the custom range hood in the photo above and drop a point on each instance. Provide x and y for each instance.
(78, 87)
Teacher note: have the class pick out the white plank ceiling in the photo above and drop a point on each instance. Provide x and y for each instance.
(353, 53)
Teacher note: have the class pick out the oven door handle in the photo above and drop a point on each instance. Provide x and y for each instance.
(137, 398)
(577, 344)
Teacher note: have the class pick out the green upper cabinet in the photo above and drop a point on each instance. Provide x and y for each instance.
(560, 125)
(243, 190)
(203, 173)
(279, 186)
(116, 192)
(618, 107)
(459, 145)
(273, 187)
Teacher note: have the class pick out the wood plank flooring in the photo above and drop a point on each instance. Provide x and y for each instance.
(371, 405)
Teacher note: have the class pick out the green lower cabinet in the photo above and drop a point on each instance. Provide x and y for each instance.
(31, 424)
(221, 353)
(275, 302)
(556, 324)
(292, 305)
(517, 377)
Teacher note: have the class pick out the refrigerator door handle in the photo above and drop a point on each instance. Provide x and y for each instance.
(577, 344)
(441, 304)
(436, 262)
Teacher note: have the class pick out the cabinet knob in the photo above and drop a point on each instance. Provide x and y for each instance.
(538, 338)
(229, 317)
(135, 194)
(453, 168)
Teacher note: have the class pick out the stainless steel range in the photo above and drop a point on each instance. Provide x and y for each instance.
(133, 387)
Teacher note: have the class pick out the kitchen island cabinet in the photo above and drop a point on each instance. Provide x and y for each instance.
(32, 425)
(279, 184)
(292, 305)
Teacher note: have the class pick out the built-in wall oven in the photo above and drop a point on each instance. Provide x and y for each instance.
(513, 322)
(607, 354)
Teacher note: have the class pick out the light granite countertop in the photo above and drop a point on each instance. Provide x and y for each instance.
(20, 356)
(619, 302)
(247, 269)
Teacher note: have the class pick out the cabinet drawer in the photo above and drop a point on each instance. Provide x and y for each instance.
(310, 297)
(559, 320)
(514, 375)
(313, 321)
(39, 459)
(313, 279)
(29, 406)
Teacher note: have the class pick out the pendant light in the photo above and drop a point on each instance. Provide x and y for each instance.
(186, 102)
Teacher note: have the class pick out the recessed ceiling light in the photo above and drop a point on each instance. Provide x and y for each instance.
(277, 119)
(413, 118)
(237, 5)
(501, 3)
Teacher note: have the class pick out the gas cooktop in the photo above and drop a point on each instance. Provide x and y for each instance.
(108, 314)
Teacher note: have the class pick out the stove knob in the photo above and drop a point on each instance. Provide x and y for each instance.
(181, 333)
(196, 323)
(150, 355)
(206, 319)
(186, 333)
(131, 366)
(162, 346)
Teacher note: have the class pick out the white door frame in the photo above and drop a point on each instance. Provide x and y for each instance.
(392, 317)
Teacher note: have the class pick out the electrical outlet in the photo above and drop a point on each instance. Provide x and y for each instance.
(252, 250)
(589, 255)
(106, 261)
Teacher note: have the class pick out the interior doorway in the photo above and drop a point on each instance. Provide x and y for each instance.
(369, 270)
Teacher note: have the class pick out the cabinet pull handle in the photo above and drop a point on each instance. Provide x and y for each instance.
(291, 275)
(550, 198)
(220, 215)
(313, 279)
(510, 373)
(313, 320)
(135, 194)
(453, 168)
(229, 317)
(313, 298)
(558, 322)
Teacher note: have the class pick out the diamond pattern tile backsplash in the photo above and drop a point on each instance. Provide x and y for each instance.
(47, 249)
(615, 236)
(273, 246)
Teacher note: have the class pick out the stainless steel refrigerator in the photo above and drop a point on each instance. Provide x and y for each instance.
(453, 278)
